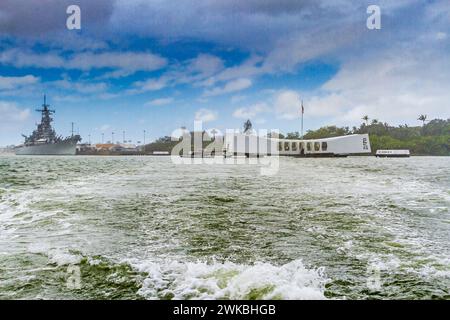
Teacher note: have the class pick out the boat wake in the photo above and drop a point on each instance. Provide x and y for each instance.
(202, 280)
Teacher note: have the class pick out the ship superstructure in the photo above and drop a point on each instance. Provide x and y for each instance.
(44, 141)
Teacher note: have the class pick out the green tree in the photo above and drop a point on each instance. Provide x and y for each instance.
(431, 139)
(423, 118)
(366, 119)
(293, 135)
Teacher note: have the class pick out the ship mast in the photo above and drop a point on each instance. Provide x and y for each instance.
(45, 130)
(45, 110)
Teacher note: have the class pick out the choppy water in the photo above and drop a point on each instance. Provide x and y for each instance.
(144, 228)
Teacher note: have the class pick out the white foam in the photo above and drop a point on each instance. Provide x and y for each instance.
(201, 280)
(57, 256)
(345, 248)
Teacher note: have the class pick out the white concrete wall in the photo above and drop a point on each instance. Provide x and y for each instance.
(242, 144)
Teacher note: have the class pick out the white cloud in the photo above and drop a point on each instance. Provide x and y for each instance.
(441, 36)
(20, 59)
(10, 112)
(108, 95)
(394, 87)
(8, 83)
(295, 48)
(46, 21)
(159, 102)
(251, 111)
(149, 85)
(205, 115)
(251, 25)
(237, 98)
(329, 105)
(125, 62)
(196, 71)
(260, 121)
(193, 71)
(80, 86)
(78, 98)
(231, 86)
(204, 65)
(104, 127)
(247, 69)
(287, 104)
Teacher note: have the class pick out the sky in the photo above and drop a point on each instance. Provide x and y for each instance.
(157, 65)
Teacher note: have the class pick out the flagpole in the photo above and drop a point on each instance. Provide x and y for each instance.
(303, 110)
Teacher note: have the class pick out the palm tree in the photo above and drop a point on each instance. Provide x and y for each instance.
(214, 131)
(423, 118)
(366, 119)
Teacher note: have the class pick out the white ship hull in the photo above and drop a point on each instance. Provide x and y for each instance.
(59, 148)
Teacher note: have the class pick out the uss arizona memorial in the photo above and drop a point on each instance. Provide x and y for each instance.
(251, 145)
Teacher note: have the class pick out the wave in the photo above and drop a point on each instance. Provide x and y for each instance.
(203, 280)
(169, 279)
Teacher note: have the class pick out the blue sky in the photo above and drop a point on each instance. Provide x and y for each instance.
(158, 65)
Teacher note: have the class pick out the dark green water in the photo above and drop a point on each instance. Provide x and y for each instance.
(144, 228)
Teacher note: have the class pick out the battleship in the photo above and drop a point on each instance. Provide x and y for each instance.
(44, 141)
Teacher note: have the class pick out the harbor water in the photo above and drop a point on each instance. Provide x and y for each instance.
(146, 228)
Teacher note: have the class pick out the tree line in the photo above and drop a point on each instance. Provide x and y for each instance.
(432, 138)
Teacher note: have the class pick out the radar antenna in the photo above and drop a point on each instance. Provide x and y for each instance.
(45, 108)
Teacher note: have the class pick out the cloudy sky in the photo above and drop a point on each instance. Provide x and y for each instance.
(156, 65)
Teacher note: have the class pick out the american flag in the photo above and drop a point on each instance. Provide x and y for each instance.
(303, 109)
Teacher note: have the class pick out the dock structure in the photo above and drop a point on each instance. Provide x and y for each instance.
(392, 153)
